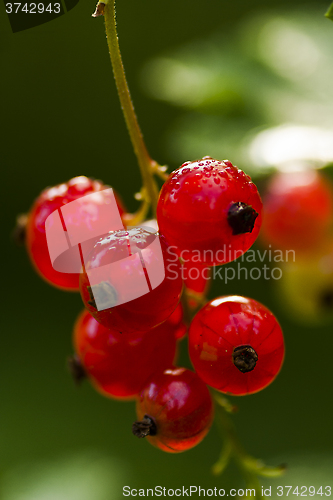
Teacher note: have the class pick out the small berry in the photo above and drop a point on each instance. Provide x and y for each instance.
(298, 211)
(48, 201)
(209, 210)
(236, 345)
(174, 410)
(119, 365)
(136, 282)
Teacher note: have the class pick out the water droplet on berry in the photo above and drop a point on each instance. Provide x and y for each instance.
(208, 167)
(121, 234)
(252, 187)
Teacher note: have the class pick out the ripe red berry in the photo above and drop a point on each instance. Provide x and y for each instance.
(298, 211)
(175, 410)
(119, 365)
(210, 210)
(236, 345)
(48, 201)
(131, 283)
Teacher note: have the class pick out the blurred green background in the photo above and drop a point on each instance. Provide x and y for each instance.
(205, 77)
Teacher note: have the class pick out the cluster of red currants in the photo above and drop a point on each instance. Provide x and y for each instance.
(131, 283)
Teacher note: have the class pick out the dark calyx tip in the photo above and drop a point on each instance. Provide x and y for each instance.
(100, 8)
(245, 358)
(91, 302)
(241, 218)
(104, 293)
(76, 369)
(19, 232)
(145, 427)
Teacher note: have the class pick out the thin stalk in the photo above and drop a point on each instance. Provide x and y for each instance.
(145, 162)
(251, 468)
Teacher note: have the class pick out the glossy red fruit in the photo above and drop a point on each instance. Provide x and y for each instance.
(196, 275)
(119, 365)
(210, 210)
(131, 283)
(236, 345)
(175, 410)
(298, 211)
(48, 201)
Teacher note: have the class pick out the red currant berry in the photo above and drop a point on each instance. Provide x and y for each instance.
(119, 365)
(175, 410)
(48, 201)
(298, 211)
(131, 282)
(209, 210)
(236, 345)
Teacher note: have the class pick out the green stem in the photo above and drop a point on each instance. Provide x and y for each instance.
(146, 164)
(250, 467)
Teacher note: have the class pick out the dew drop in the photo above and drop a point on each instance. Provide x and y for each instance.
(121, 234)
(208, 167)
